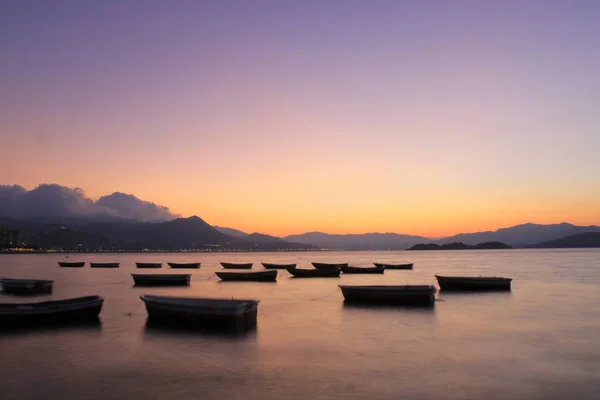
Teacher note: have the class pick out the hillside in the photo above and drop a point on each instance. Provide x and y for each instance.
(195, 233)
(259, 240)
(179, 234)
(230, 231)
(586, 239)
(521, 235)
(366, 241)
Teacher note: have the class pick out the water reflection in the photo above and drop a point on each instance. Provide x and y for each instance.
(173, 330)
(312, 345)
(262, 282)
(474, 290)
(24, 295)
(91, 325)
(387, 307)
(470, 294)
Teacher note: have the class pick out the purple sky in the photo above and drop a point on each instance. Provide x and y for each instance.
(423, 117)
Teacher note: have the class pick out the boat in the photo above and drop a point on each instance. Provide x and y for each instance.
(412, 295)
(362, 270)
(395, 266)
(161, 279)
(315, 273)
(259, 276)
(25, 286)
(320, 265)
(328, 265)
(278, 266)
(202, 312)
(71, 264)
(104, 265)
(467, 283)
(68, 310)
(184, 265)
(148, 265)
(236, 265)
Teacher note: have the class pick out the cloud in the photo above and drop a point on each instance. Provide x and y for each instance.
(128, 206)
(53, 202)
(8, 199)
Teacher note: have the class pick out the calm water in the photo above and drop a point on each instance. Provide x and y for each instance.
(541, 341)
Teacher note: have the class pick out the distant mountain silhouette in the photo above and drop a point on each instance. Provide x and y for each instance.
(70, 239)
(587, 239)
(366, 241)
(193, 233)
(10, 223)
(179, 234)
(230, 231)
(521, 235)
(262, 240)
(461, 246)
(515, 236)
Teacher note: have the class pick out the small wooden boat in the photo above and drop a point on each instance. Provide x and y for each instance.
(278, 266)
(328, 265)
(148, 265)
(260, 276)
(236, 265)
(161, 279)
(203, 312)
(71, 264)
(315, 273)
(25, 286)
(104, 265)
(413, 295)
(184, 265)
(466, 283)
(362, 270)
(395, 266)
(68, 310)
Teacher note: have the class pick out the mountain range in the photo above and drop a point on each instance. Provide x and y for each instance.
(366, 241)
(116, 233)
(517, 236)
(521, 235)
(55, 216)
(231, 232)
(325, 241)
(191, 233)
(580, 240)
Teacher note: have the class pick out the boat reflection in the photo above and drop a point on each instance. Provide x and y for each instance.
(386, 307)
(161, 329)
(89, 325)
(449, 294)
(8, 296)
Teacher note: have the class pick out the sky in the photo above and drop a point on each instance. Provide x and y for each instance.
(418, 117)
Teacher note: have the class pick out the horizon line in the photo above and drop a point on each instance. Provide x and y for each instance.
(436, 237)
(396, 233)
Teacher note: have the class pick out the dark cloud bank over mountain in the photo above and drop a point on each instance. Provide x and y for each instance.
(49, 202)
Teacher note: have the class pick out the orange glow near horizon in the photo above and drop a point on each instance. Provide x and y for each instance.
(280, 216)
(342, 202)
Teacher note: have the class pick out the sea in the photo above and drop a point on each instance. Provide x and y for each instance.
(539, 341)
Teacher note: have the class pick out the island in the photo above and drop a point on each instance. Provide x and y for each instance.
(461, 246)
